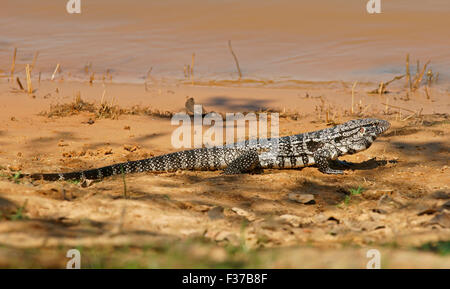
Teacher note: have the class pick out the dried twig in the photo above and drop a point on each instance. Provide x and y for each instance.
(436, 77)
(427, 93)
(108, 74)
(92, 78)
(147, 78)
(408, 73)
(55, 72)
(394, 79)
(13, 65)
(383, 85)
(381, 88)
(353, 94)
(28, 72)
(19, 83)
(185, 71)
(419, 76)
(235, 59)
(418, 113)
(365, 109)
(87, 67)
(103, 96)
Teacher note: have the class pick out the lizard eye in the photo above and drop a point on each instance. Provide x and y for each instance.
(362, 130)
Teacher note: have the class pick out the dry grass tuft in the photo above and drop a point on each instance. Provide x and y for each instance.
(67, 109)
(105, 110)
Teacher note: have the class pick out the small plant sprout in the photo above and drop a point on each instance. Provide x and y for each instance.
(19, 214)
(353, 192)
(75, 182)
(357, 191)
(15, 178)
(347, 200)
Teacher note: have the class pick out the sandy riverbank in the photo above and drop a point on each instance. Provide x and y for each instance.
(216, 220)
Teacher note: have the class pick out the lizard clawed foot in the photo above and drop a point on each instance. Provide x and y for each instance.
(323, 163)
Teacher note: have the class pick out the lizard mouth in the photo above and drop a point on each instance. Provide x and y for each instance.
(383, 125)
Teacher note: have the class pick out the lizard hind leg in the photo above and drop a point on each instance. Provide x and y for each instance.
(247, 162)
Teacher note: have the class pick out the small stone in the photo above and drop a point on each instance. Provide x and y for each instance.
(445, 206)
(333, 219)
(294, 221)
(248, 215)
(375, 194)
(223, 236)
(302, 198)
(67, 154)
(443, 195)
(130, 148)
(216, 213)
(320, 218)
(86, 183)
(189, 105)
(442, 219)
(107, 151)
(379, 211)
(200, 208)
(15, 168)
(429, 211)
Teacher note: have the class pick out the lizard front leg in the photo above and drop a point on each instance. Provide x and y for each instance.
(247, 162)
(322, 160)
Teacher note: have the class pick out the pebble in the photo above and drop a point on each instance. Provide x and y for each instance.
(249, 216)
(216, 213)
(302, 198)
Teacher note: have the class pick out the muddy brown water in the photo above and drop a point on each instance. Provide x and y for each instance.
(277, 40)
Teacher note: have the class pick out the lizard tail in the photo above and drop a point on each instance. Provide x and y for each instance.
(99, 173)
(87, 174)
(57, 176)
(169, 162)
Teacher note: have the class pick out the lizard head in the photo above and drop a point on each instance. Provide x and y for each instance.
(361, 133)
